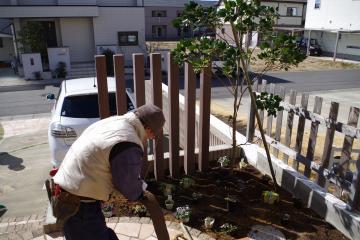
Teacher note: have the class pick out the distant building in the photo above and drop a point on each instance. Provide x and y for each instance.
(291, 20)
(159, 15)
(85, 27)
(336, 27)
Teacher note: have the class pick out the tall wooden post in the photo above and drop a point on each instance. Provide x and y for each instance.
(121, 99)
(156, 82)
(139, 89)
(139, 79)
(190, 95)
(173, 81)
(103, 97)
(205, 103)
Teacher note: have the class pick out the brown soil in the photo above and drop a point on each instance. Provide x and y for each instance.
(247, 186)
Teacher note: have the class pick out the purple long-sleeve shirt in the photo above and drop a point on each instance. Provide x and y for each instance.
(126, 162)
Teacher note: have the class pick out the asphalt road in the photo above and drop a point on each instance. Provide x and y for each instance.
(31, 99)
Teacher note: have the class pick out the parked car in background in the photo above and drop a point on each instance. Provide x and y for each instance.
(75, 108)
(314, 48)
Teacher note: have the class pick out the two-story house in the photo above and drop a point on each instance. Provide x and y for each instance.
(159, 15)
(85, 27)
(291, 19)
(336, 27)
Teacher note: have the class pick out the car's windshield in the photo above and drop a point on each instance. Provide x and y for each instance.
(86, 106)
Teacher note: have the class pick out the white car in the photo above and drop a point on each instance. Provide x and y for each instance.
(75, 108)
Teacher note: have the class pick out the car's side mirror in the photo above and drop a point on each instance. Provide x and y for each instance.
(50, 96)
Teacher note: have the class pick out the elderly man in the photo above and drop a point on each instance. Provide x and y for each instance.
(108, 156)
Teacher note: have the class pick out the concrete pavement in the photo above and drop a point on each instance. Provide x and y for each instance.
(133, 228)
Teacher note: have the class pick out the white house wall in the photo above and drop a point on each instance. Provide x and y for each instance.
(77, 34)
(7, 51)
(333, 15)
(112, 20)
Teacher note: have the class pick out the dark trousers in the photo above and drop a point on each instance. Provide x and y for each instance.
(88, 223)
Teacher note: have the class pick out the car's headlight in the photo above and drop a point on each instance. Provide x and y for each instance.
(60, 131)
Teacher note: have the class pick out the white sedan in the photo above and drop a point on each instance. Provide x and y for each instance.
(75, 108)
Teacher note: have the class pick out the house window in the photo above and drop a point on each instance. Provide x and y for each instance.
(158, 13)
(291, 11)
(1, 43)
(128, 38)
(317, 4)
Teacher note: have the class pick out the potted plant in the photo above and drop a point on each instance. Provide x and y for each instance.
(139, 210)
(209, 222)
(187, 182)
(169, 203)
(107, 210)
(183, 213)
(224, 161)
(270, 197)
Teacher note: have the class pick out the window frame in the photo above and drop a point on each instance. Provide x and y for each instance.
(291, 12)
(156, 13)
(317, 4)
(127, 34)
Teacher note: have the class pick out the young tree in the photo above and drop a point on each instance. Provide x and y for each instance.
(244, 17)
(31, 37)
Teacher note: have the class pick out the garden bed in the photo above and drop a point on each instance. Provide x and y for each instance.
(245, 187)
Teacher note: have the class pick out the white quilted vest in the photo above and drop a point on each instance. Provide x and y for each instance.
(85, 170)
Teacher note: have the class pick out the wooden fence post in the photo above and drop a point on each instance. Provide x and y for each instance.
(354, 198)
(300, 130)
(313, 135)
(173, 81)
(190, 94)
(289, 123)
(103, 96)
(139, 90)
(204, 128)
(139, 79)
(156, 82)
(330, 132)
(348, 141)
(121, 99)
(250, 129)
(279, 118)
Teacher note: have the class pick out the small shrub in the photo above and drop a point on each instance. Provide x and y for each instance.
(37, 75)
(228, 228)
(224, 161)
(139, 209)
(187, 182)
(183, 213)
(61, 70)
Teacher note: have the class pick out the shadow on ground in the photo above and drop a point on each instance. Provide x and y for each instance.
(14, 163)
